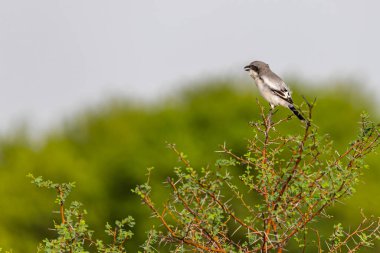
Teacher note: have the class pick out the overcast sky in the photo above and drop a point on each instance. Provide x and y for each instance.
(57, 56)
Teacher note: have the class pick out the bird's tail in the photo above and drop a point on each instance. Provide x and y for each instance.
(297, 113)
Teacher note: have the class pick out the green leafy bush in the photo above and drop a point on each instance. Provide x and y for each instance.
(285, 186)
(72, 231)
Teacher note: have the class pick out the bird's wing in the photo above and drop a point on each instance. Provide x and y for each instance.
(278, 87)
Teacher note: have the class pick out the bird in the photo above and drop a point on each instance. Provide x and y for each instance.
(272, 87)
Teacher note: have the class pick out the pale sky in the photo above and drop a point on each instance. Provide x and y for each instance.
(57, 56)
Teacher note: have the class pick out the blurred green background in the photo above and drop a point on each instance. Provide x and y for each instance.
(106, 149)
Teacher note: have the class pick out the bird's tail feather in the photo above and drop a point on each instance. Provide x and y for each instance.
(297, 113)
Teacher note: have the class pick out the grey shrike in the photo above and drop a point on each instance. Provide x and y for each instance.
(271, 86)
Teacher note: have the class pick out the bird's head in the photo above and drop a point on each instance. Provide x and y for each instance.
(256, 67)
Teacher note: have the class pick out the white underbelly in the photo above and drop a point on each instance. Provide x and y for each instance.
(269, 95)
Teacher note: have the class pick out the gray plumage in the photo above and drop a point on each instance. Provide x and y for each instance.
(271, 86)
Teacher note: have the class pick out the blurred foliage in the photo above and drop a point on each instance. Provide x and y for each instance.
(107, 149)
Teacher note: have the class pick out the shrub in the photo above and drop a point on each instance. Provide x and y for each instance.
(286, 184)
(263, 200)
(73, 233)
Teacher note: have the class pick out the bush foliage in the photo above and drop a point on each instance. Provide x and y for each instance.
(285, 183)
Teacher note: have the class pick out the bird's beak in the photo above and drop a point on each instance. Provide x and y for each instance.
(247, 68)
